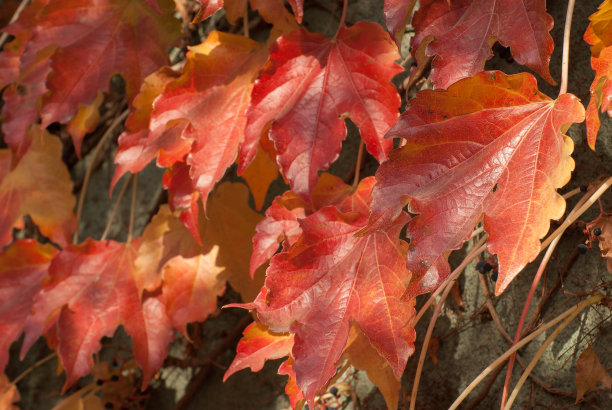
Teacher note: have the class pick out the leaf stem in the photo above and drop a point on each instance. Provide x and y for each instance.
(34, 366)
(358, 165)
(18, 11)
(423, 355)
(566, 46)
(116, 207)
(342, 18)
(573, 310)
(537, 357)
(132, 207)
(479, 248)
(90, 168)
(245, 19)
(519, 329)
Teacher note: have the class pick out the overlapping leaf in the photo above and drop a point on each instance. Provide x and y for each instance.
(493, 145)
(330, 278)
(39, 185)
(86, 43)
(200, 114)
(281, 221)
(93, 289)
(310, 85)
(23, 267)
(599, 37)
(460, 34)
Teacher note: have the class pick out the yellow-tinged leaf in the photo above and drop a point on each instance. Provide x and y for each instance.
(230, 226)
(364, 357)
(599, 32)
(589, 372)
(259, 175)
(85, 121)
(39, 185)
(9, 395)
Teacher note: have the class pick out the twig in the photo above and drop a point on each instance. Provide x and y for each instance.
(132, 207)
(479, 248)
(34, 366)
(90, 169)
(574, 309)
(519, 328)
(116, 207)
(18, 11)
(423, 355)
(342, 19)
(197, 382)
(358, 165)
(537, 357)
(566, 46)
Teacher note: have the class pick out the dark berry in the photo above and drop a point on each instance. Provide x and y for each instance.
(597, 231)
(114, 378)
(108, 405)
(334, 391)
(494, 276)
(582, 248)
(583, 188)
(99, 382)
(483, 267)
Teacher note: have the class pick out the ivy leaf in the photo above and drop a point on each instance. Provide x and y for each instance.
(9, 395)
(599, 37)
(330, 278)
(589, 372)
(493, 145)
(92, 290)
(92, 41)
(207, 9)
(39, 185)
(460, 34)
(310, 84)
(257, 345)
(23, 267)
(201, 113)
(281, 221)
(397, 14)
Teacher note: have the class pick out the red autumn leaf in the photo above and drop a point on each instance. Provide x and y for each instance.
(96, 41)
(39, 185)
(92, 290)
(397, 14)
(281, 221)
(23, 266)
(330, 278)
(599, 37)
(183, 197)
(493, 145)
(309, 86)
(201, 113)
(207, 9)
(257, 345)
(463, 31)
(292, 390)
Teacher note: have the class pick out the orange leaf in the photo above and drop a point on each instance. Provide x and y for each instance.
(91, 291)
(39, 185)
(259, 175)
(257, 345)
(491, 145)
(599, 36)
(85, 121)
(23, 267)
(230, 226)
(589, 372)
(9, 395)
(364, 357)
(604, 223)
